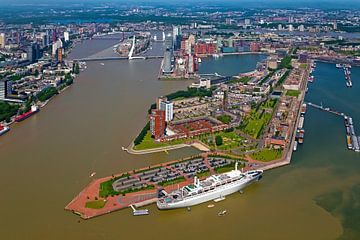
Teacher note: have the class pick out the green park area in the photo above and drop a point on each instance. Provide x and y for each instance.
(106, 188)
(96, 204)
(203, 174)
(244, 80)
(267, 155)
(303, 66)
(230, 140)
(7, 111)
(293, 93)
(224, 118)
(254, 124)
(225, 168)
(148, 142)
(47, 93)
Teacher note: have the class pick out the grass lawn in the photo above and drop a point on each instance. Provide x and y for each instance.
(106, 188)
(303, 65)
(240, 80)
(230, 140)
(267, 155)
(255, 123)
(148, 143)
(293, 93)
(224, 119)
(203, 174)
(97, 204)
(225, 168)
(171, 182)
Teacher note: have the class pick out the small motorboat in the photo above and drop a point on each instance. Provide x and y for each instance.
(92, 174)
(219, 199)
(222, 213)
(211, 206)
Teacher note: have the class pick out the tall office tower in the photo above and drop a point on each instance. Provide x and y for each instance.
(157, 123)
(45, 38)
(5, 89)
(168, 107)
(301, 28)
(291, 28)
(54, 36)
(2, 40)
(66, 36)
(176, 37)
(191, 64)
(60, 55)
(291, 19)
(335, 25)
(167, 61)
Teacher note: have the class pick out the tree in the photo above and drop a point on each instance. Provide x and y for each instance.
(76, 68)
(218, 140)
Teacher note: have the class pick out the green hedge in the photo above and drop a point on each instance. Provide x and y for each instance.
(142, 134)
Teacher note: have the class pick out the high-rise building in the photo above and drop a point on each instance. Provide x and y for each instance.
(60, 55)
(291, 19)
(159, 100)
(66, 36)
(280, 27)
(157, 123)
(55, 46)
(2, 40)
(301, 28)
(167, 61)
(31, 53)
(335, 25)
(168, 107)
(5, 89)
(54, 36)
(247, 22)
(254, 47)
(176, 37)
(191, 64)
(45, 39)
(291, 28)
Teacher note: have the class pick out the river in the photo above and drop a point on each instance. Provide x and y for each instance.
(46, 160)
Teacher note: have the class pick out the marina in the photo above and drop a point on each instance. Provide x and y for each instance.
(352, 140)
(347, 73)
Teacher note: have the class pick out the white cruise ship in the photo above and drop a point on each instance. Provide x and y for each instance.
(213, 187)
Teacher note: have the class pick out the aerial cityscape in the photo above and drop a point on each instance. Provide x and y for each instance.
(207, 119)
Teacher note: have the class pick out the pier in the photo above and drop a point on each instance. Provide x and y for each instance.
(352, 140)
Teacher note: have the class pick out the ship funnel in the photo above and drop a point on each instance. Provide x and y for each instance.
(236, 166)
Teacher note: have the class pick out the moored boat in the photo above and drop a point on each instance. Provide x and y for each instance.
(22, 117)
(4, 129)
(213, 187)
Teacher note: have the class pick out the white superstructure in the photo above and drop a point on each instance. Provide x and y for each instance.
(211, 188)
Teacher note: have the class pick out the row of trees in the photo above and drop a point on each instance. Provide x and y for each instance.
(7, 111)
(142, 134)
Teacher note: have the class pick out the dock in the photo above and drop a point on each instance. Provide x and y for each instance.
(352, 140)
(347, 73)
